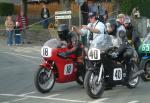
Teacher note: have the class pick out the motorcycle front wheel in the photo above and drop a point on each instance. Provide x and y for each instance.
(93, 87)
(146, 75)
(44, 80)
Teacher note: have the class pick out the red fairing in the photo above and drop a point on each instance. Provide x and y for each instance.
(66, 67)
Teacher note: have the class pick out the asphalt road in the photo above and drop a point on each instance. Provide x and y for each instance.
(17, 69)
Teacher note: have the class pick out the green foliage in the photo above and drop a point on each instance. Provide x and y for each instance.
(128, 5)
(6, 9)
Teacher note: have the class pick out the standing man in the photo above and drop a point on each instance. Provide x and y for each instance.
(94, 28)
(23, 24)
(85, 11)
(45, 16)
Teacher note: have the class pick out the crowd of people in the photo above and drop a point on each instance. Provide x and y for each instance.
(92, 6)
(18, 28)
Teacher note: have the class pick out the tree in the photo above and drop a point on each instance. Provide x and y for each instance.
(65, 4)
(128, 5)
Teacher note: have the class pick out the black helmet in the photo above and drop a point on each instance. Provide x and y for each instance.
(112, 21)
(63, 30)
(111, 26)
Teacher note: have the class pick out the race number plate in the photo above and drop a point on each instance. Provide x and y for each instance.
(94, 54)
(145, 48)
(68, 69)
(46, 51)
(117, 75)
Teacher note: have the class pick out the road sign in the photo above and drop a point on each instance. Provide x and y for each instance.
(63, 15)
(62, 12)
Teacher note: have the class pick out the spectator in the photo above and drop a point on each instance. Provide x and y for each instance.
(9, 29)
(102, 14)
(23, 24)
(17, 34)
(92, 6)
(132, 35)
(92, 30)
(45, 16)
(85, 10)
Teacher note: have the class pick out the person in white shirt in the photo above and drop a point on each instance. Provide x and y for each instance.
(94, 28)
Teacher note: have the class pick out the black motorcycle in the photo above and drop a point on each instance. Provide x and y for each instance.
(103, 70)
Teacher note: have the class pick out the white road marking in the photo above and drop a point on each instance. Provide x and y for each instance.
(135, 101)
(27, 93)
(5, 102)
(16, 100)
(50, 96)
(23, 55)
(99, 100)
(45, 98)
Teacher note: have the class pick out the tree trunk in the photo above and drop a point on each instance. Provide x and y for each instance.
(116, 6)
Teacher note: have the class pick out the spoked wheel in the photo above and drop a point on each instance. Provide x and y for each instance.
(44, 80)
(93, 87)
(134, 82)
(146, 75)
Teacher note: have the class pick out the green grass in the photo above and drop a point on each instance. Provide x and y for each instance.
(2, 26)
(32, 27)
(36, 27)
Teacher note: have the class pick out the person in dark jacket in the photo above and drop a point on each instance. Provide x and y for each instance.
(45, 16)
(132, 35)
(85, 11)
(119, 40)
(22, 19)
(75, 46)
(17, 34)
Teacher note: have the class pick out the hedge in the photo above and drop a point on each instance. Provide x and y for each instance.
(6, 9)
(144, 6)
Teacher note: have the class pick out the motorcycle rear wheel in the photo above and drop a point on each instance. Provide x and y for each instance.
(44, 76)
(134, 82)
(92, 87)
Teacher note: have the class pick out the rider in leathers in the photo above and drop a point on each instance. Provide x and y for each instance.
(119, 39)
(75, 46)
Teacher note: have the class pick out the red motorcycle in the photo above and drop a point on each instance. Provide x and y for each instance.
(55, 68)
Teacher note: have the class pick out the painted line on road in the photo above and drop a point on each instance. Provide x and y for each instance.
(16, 100)
(23, 55)
(44, 98)
(50, 96)
(135, 101)
(27, 93)
(99, 100)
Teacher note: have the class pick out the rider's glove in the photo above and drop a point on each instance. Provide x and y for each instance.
(115, 55)
(63, 54)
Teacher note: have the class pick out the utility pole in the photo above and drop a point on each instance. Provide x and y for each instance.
(24, 6)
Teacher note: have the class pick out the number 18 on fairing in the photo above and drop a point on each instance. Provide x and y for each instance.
(46, 51)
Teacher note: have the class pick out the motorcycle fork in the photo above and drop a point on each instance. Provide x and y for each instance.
(51, 68)
(100, 73)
